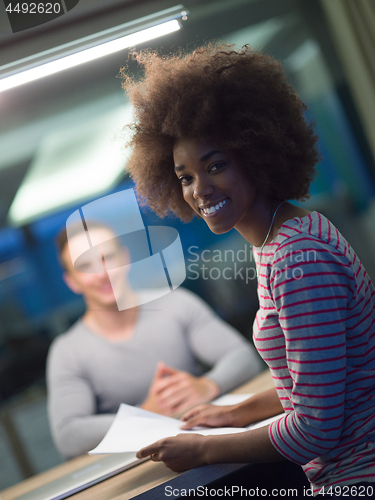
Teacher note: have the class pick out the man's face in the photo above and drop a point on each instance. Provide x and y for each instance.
(89, 276)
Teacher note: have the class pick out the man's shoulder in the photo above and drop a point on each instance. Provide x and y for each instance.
(72, 336)
(68, 351)
(178, 298)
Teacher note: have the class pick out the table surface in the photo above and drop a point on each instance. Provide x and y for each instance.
(138, 481)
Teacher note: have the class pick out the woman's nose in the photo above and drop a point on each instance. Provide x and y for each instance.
(202, 188)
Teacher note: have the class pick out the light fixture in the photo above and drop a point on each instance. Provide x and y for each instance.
(91, 47)
(73, 163)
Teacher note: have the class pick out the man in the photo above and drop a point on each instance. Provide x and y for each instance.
(152, 355)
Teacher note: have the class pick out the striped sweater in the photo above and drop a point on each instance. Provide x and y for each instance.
(316, 331)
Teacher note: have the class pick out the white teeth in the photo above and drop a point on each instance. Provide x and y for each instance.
(213, 209)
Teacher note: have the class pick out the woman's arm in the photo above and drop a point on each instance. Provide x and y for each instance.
(260, 406)
(312, 311)
(187, 451)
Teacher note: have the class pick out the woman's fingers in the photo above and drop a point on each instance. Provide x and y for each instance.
(179, 453)
(194, 411)
(149, 451)
(200, 415)
(208, 416)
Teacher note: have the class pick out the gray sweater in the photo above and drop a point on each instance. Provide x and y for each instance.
(88, 376)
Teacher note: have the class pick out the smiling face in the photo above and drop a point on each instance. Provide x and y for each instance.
(215, 186)
(89, 276)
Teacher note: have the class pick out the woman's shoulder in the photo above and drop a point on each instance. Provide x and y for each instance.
(314, 231)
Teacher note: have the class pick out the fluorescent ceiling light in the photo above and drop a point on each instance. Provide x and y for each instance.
(88, 55)
(89, 48)
(72, 164)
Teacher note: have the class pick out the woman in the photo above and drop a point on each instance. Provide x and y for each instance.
(220, 134)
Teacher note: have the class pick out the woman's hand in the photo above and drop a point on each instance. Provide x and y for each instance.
(187, 451)
(179, 453)
(258, 407)
(209, 416)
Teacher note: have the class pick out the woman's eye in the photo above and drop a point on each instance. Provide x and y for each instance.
(185, 179)
(216, 166)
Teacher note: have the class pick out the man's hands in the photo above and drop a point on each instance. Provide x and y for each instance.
(174, 391)
(179, 453)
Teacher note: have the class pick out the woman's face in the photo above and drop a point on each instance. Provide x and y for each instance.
(214, 185)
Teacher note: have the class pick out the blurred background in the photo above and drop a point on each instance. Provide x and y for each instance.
(61, 146)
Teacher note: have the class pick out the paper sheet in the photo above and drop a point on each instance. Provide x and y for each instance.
(134, 428)
(230, 399)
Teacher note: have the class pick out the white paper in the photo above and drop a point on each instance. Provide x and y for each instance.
(265, 422)
(134, 428)
(230, 399)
